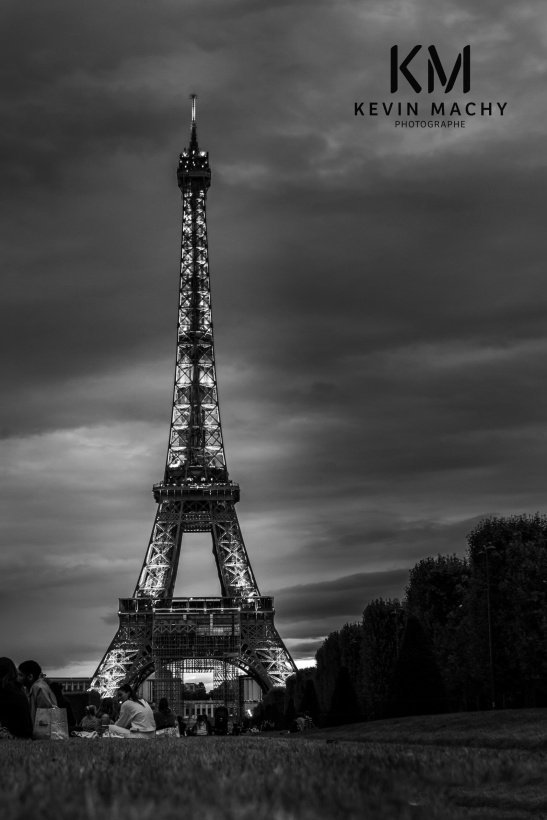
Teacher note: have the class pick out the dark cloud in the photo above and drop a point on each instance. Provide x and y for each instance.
(339, 598)
(378, 296)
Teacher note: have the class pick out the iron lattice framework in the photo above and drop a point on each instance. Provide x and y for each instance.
(236, 630)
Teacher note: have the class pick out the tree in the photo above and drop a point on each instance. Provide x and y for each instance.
(310, 702)
(290, 714)
(383, 625)
(435, 590)
(340, 649)
(344, 705)
(296, 685)
(502, 532)
(416, 686)
(509, 562)
(328, 663)
(351, 658)
(435, 595)
(272, 705)
(199, 693)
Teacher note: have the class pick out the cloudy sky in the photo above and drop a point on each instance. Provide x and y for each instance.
(378, 297)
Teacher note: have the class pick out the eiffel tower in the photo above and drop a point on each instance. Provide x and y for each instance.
(158, 632)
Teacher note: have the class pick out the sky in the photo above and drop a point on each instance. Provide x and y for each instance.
(378, 298)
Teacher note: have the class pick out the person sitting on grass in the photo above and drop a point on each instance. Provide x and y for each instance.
(308, 721)
(201, 726)
(164, 717)
(136, 717)
(15, 720)
(29, 674)
(182, 726)
(106, 713)
(90, 722)
(300, 722)
(208, 722)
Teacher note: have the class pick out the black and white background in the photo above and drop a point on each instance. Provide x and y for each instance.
(378, 298)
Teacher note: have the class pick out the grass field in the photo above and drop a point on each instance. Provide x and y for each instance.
(399, 769)
(508, 729)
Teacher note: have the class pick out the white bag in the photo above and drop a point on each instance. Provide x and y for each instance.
(169, 731)
(50, 724)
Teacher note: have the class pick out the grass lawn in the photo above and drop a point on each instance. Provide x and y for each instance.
(398, 769)
(508, 729)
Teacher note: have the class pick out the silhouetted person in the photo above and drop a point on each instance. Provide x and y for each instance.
(221, 720)
(106, 713)
(182, 725)
(14, 705)
(164, 717)
(29, 674)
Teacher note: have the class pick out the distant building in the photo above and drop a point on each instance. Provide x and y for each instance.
(76, 691)
(193, 708)
(146, 690)
(71, 686)
(250, 694)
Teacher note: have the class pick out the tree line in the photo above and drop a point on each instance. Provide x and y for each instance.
(470, 633)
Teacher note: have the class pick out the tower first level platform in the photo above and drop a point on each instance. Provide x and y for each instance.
(154, 634)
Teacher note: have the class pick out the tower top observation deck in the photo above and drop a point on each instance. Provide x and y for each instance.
(193, 163)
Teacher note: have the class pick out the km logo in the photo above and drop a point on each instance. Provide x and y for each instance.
(434, 66)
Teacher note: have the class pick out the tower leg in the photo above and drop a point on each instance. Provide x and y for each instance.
(128, 659)
(234, 569)
(159, 570)
(263, 651)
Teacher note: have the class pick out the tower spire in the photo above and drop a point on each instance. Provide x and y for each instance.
(194, 172)
(193, 129)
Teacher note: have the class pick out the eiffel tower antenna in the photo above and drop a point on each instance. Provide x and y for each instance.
(193, 129)
(157, 632)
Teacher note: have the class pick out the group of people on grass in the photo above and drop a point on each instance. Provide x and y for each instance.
(24, 689)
